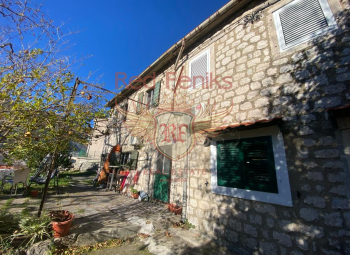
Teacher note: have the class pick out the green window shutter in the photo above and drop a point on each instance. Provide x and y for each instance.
(248, 164)
(259, 164)
(133, 159)
(156, 94)
(140, 101)
(229, 164)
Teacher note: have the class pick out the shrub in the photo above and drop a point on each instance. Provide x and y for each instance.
(8, 222)
(34, 228)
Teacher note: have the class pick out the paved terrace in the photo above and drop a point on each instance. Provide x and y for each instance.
(101, 215)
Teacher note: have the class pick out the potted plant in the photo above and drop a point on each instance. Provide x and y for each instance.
(61, 222)
(134, 193)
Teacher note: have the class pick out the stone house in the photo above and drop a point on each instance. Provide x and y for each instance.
(274, 179)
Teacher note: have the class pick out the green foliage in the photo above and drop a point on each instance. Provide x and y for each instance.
(7, 203)
(41, 109)
(27, 229)
(8, 222)
(36, 229)
(134, 191)
(188, 224)
(64, 160)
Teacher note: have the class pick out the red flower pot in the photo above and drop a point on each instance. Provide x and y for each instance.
(135, 195)
(34, 193)
(61, 229)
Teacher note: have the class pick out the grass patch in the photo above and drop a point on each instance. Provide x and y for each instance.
(25, 211)
(65, 179)
(80, 250)
(78, 174)
(7, 203)
(81, 211)
(88, 182)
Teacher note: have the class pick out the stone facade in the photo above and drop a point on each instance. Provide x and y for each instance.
(297, 85)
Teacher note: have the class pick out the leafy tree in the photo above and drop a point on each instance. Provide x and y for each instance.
(42, 106)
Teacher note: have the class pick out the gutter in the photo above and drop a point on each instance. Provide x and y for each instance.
(205, 26)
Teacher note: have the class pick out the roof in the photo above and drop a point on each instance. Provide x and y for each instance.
(192, 37)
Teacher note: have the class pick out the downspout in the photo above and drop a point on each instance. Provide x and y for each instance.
(184, 182)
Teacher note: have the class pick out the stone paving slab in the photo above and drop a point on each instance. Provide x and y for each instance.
(101, 216)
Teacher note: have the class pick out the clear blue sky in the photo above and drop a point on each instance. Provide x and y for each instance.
(126, 36)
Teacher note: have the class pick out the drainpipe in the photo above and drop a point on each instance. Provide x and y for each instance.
(184, 180)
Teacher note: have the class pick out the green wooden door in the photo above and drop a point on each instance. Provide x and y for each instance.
(162, 179)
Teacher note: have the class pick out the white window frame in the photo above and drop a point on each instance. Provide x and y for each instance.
(284, 196)
(208, 69)
(332, 25)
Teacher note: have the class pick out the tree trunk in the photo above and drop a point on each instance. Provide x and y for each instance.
(48, 178)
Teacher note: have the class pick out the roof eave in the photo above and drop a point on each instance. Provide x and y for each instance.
(197, 33)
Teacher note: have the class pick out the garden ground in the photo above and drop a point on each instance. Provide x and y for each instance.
(110, 223)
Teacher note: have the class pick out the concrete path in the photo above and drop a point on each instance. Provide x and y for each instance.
(101, 216)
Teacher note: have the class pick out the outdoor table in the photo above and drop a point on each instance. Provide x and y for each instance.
(111, 177)
(6, 170)
(114, 178)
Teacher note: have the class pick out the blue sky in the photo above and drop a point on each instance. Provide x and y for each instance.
(126, 36)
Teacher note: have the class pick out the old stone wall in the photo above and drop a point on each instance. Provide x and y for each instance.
(298, 85)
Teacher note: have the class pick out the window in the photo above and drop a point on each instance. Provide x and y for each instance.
(125, 108)
(139, 103)
(199, 70)
(247, 164)
(125, 158)
(156, 94)
(163, 164)
(129, 159)
(253, 167)
(131, 139)
(150, 95)
(301, 20)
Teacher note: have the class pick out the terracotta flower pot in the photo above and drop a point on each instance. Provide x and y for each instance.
(175, 208)
(135, 195)
(61, 229)
(34, 193)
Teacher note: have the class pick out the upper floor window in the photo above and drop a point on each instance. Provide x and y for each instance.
(301, 20)
(150, 96)
(139, 103)
(199, 70)
(125, 107)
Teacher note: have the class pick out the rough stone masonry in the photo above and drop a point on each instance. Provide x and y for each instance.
(299, 85)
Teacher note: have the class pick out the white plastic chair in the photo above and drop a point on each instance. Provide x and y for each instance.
(20, 176)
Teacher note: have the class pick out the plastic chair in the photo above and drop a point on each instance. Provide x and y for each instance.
(20, 176)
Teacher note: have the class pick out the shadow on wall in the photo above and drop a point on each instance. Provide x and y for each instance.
(314, 80)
